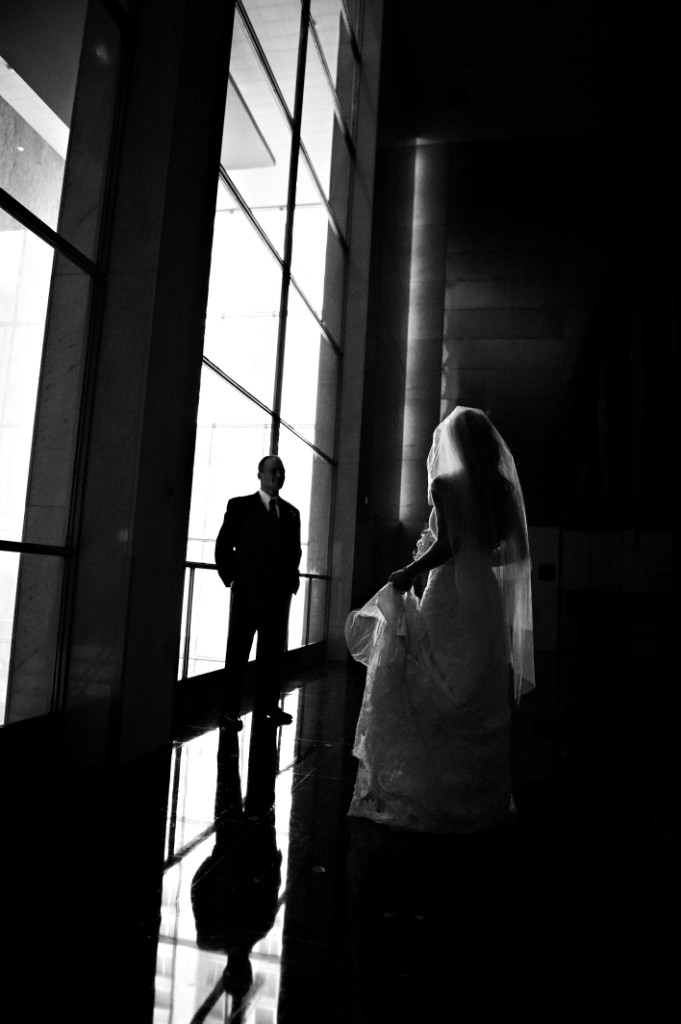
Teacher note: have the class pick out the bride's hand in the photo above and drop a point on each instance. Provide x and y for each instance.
(400, 580)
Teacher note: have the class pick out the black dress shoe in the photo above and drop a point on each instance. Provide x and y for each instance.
(230, 722)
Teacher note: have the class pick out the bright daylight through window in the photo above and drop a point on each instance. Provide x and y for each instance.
(273, 339)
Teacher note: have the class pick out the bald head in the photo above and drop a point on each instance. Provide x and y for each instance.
(271, 474)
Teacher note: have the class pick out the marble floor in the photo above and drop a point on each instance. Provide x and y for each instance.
(223, 881)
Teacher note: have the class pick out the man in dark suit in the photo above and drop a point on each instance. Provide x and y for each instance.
(257, 554)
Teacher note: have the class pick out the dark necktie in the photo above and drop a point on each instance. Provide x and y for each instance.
(273, 508)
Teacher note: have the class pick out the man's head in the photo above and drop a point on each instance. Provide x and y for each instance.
(271, 474)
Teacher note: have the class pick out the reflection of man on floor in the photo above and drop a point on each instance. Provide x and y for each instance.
(258, 553)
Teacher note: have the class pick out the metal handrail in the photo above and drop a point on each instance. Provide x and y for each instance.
(192, 566)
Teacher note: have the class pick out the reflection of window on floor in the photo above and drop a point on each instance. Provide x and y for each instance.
(273, 336)
(187, 976)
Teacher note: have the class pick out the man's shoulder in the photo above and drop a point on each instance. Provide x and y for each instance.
(243, 500)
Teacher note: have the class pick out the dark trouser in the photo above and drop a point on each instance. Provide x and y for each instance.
(266, 615)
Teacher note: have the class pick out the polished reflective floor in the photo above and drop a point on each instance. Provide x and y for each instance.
(223, 881)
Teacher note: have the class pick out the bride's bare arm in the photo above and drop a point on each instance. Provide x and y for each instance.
(437, 554)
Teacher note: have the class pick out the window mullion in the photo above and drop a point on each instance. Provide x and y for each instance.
(325, 202)
(38, 227)
(290, 210)
(266, 66)
(329, 78)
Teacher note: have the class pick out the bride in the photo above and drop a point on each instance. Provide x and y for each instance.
(432, 737)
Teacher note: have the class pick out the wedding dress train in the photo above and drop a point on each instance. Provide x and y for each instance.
(433, 733)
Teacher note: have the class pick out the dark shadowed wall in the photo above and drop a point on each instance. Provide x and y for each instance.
(557, 311)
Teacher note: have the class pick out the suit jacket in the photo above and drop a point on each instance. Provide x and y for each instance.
(255, 552)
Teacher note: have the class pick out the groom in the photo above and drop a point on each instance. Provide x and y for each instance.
(257, 554)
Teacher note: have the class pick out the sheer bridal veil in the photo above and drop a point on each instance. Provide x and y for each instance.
(473, 480)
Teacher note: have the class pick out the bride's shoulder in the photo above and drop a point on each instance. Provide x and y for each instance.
(449, 495)
(446, 487)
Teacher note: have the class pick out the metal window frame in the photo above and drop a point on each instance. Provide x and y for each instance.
(255, 224)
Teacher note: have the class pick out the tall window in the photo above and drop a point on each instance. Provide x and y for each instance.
(274, 325)
(50, 213)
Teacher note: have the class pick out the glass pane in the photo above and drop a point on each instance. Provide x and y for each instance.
(322, 133)
(310, 226)
(242, 318)
(309, 480)
(317, 260)
(33, 582)
(205, 651)
(318, 119)
(232, 436)
(339, 185)
(25, 271)
(9, 570)
(308, 614)
(58, 78)
(310, 378)
(36, 99)
(327, 20)
(277, 25)
(346, 71)
(334, 286)
(183, 628)
(296, 619)
(256, 140)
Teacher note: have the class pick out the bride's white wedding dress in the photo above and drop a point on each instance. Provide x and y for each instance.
(433, 733)
(432, 736)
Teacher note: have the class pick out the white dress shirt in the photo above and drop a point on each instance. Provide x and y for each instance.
(266, 499)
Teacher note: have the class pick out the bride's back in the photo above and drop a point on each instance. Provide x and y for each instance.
(477, 500)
